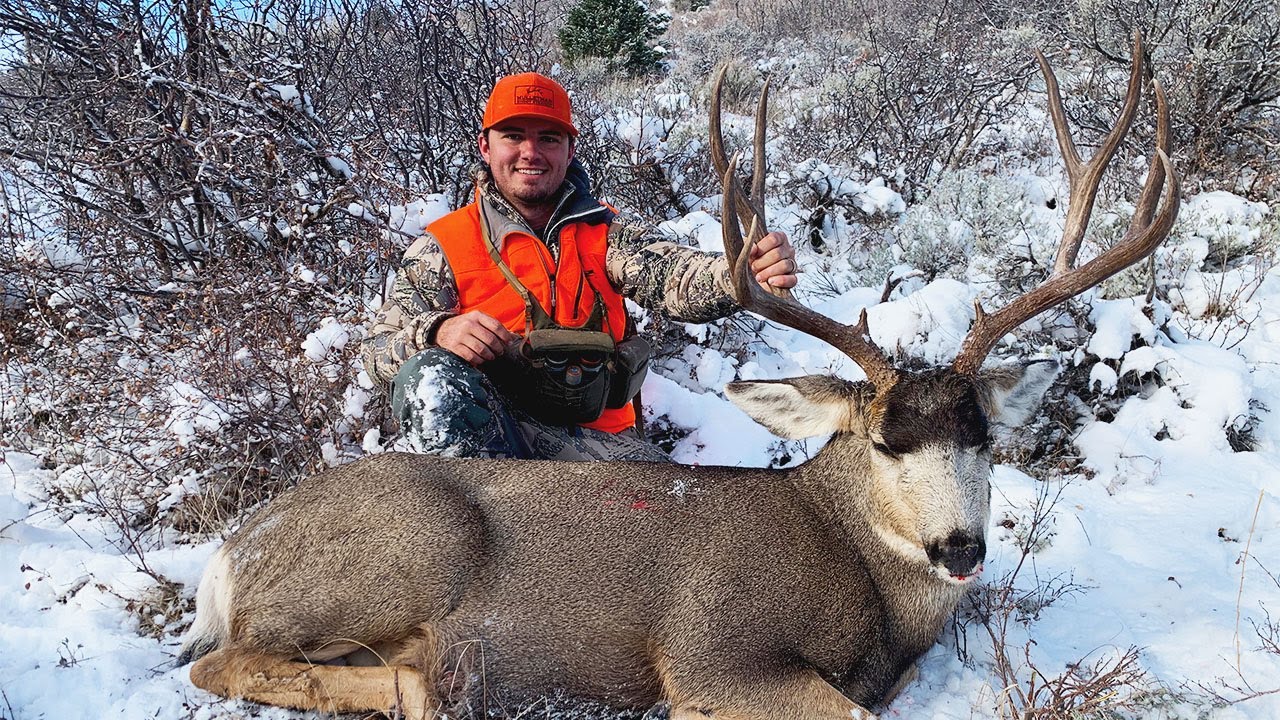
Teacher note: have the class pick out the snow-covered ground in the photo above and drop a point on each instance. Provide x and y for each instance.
(1164, 537)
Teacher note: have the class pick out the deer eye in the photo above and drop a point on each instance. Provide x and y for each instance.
(884, 449)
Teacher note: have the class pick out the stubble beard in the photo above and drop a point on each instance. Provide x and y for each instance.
(537, 197)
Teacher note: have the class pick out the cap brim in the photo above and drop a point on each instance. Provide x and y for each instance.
(535, 116)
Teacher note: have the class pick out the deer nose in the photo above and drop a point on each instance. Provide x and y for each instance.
(960, 553)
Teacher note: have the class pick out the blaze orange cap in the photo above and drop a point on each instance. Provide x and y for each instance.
(529, 95)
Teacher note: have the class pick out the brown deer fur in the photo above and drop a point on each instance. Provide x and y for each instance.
(730, 592)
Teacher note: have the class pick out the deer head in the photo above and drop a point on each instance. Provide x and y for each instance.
(920, 441)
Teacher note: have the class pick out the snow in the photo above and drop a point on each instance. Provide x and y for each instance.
(413, 218)
(1226, 219)
(193, 412)
(873, 197)
(1115, 323)
(339, 166)
(54, 251)
(698, 229)
(330, 336)
(645, 136)
(63, 621)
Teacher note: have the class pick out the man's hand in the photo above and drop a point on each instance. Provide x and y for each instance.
(474, 336)
(773, 260)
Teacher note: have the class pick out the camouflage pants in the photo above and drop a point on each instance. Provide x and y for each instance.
(447, 407)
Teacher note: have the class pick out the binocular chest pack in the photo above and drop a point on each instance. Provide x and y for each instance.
(573, 375)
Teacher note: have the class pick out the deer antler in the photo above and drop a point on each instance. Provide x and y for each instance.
(748, 208)
(1144, 234)
(779, 306)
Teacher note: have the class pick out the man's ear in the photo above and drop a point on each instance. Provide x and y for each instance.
(796, 408)
(482, 140)
(1011, 394)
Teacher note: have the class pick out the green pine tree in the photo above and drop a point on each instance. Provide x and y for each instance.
(621, 31)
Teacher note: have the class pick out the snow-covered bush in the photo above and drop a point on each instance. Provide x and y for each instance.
(640, 149)
(190, 404)
(1221, 66)
(1227, 253)
(971, 222)
(920, 88)
(197, 195)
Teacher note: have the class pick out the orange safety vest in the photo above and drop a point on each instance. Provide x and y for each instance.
(482, 286)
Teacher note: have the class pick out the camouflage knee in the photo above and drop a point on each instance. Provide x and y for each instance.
(445, 406)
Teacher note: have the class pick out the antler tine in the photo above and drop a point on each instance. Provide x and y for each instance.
(730, 231)
(745, 208)
(718, 159)
(1150, 197)
(750, 211)
(777, 304)
(760, 167)
(1144, 234)
(1084, 178)
(853, 341)
(760, 170)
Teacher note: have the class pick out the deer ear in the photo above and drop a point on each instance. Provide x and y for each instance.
(1011, 394)
(796, 408)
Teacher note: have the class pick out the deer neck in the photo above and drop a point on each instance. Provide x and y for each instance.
(838, 485)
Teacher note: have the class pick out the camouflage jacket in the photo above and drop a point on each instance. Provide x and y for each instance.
(680, 282)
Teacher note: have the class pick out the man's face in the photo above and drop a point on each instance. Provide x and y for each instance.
(528, 158)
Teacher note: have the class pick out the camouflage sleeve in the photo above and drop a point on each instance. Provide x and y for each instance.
(423, 296)
(681, 282)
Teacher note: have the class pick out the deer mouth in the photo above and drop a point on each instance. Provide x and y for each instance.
(964, 578)
(960, 579)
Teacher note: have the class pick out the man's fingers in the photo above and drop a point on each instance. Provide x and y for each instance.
(475, 337)
(775, 258)
(480, 343)
(784, 281)
(777, 276)
(768, 242)
(772, 267)
(475, 348)
(496, 328)
(480, 351)
(773, 261)
(773, 251)
(493, 343)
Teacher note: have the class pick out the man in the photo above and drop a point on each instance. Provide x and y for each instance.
(506, 334)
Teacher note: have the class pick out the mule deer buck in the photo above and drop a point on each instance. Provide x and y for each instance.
(473, 586)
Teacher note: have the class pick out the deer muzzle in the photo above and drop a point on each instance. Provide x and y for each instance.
(961, 553)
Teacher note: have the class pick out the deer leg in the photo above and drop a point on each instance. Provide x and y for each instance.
(789, 695)
(399, 690)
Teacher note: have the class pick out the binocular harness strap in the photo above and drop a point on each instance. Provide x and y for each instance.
(535, 317)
